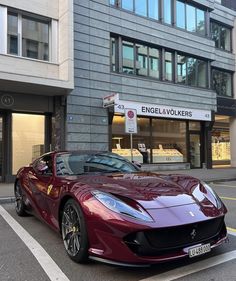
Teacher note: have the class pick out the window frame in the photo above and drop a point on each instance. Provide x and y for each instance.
(219, 26)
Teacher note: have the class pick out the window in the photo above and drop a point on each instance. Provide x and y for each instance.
(190, 18)
(221, 35)
(32, 38)
(222, 82)
(167, 11)
(141, 7)
(180, 14)
(153, 9)
(128, 57)
(140, 59)
(191, 71)
(127, 5)
(12, 34)
(168, 66)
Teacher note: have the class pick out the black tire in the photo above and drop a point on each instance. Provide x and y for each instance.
(74, 232)
(20, 205)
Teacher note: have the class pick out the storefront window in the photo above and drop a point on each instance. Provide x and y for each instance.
(28, 133)
(221, 141)
(168, 141)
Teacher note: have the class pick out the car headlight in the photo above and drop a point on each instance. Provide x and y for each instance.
(116, 205)
(218, 203)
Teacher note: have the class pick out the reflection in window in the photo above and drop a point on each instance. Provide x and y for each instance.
(182, 69)
(191, 18)
(167, 11)
(153, 9)
(222, 82)
(221, 35)
(180, 14)
(112, 2)
(128, 57)
(27, 139)
(35, 39)
(12, 34)
(142, 65)
(141, 7)
(202, 74)
(154, 63)
(191, 71)
(200, 22)
(168, 66)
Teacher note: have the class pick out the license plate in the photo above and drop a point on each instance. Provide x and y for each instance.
(199, 250)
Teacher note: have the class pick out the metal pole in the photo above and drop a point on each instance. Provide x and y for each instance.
(131, 146)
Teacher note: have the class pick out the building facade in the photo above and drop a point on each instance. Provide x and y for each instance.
(36, 74)
(173, 61)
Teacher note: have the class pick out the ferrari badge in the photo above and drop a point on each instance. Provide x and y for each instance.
(49, 189)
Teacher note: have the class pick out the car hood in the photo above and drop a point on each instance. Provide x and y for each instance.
(149, 189)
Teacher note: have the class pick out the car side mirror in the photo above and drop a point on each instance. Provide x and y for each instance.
(42, 168)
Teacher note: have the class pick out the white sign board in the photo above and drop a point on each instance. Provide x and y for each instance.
(152, 110)
(131, 121)
(110, 100)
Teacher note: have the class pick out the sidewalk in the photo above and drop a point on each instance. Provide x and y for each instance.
(216, 174)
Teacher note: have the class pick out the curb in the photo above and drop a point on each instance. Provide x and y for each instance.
(7, 200)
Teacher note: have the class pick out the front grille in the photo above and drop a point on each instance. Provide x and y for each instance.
(186, 234)
(173, 239)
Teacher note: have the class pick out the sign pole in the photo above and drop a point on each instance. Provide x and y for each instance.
(131, 146)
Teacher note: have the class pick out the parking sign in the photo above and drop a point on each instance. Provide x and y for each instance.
(130, 121)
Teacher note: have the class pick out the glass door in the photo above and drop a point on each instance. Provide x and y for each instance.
(195, 150)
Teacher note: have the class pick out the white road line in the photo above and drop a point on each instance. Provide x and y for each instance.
(192, 268)
(49, 266)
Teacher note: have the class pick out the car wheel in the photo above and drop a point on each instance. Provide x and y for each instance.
(20, 205)
(74, 232)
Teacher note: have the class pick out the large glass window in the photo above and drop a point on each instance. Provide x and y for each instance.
(222, 82)
(191, 71)
(221, 35)
(167, 11)
(127, 4)
(200, 22)
(113, 54)
(28, 133)
(191, 18)
(154, 63)
(32, 37)
(181, 69)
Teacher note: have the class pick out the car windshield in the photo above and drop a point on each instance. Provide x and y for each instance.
(79, 164)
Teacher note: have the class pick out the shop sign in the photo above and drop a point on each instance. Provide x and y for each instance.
(163, 111)
(110, 100)
(131, 121)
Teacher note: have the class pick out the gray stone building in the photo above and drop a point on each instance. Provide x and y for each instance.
(172, 61)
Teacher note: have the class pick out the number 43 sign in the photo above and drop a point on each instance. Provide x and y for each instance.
(130, 121)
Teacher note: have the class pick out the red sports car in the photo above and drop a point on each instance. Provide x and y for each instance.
(107, 209)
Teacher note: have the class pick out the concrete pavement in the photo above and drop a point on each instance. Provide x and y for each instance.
(209, 175)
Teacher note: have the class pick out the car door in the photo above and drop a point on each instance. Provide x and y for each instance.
(41, 181)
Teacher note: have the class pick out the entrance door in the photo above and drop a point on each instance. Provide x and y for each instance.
(195, 150)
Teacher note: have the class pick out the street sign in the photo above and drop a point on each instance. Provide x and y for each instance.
(131, 121)
(110, 100)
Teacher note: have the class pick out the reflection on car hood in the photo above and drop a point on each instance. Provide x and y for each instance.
(149, 189)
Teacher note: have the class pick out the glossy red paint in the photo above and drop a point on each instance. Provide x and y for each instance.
(171, 200)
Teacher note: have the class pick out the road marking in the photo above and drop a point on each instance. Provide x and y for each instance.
(47, 263)
(228, 198)
(192, 268)
(231, 231)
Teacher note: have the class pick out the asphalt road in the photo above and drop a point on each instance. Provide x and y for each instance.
(18, 263)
